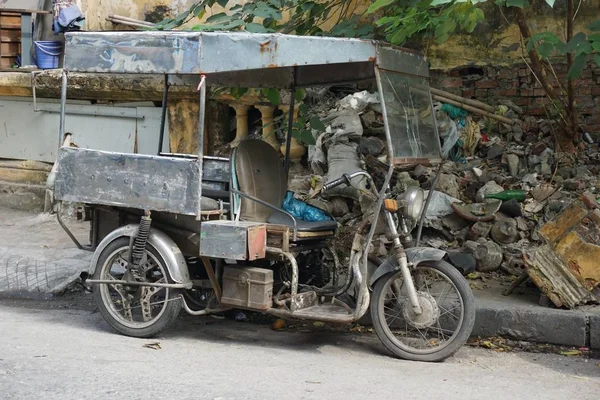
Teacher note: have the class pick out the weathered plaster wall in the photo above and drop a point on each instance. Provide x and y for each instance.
(497, 41)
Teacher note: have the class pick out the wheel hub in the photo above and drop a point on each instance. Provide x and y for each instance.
(429, 315)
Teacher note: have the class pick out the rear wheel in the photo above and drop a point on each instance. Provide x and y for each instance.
(446, 321)
(139, 311)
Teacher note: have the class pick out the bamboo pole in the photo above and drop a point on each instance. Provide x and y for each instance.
(463, 100)
(138, 21)
(473, 110)
(466, 107)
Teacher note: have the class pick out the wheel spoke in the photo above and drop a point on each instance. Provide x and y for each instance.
(428, 332)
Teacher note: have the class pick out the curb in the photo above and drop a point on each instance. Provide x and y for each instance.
(519, 318)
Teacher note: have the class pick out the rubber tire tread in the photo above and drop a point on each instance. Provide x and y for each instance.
(464, 331)
(169, 315)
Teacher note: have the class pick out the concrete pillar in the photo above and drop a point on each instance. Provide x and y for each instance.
(268, 130)
(296, 149)
(241, 118)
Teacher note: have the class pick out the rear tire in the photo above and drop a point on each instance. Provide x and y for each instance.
(108, 296)
(383, 297)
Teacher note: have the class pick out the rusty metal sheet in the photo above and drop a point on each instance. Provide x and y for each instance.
(257, 242)
(566, 268)
(235, 240)
(156, 183)
(303, 59)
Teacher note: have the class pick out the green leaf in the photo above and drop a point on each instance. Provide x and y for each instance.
(597, 59)
(379, 4)
(517, 3)
(594, 26)
(300, 93)
(316, 124)
(577, 41)
(307, 6)
(256, 28)
(577, 67)
(271, 94)
(219, 17)
(238, 92)
(436, 3)
(222, 3)
(545, 49)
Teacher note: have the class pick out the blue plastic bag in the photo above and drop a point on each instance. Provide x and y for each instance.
(303, 211)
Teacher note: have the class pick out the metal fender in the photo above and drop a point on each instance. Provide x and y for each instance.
(161, 242)
(415, 255)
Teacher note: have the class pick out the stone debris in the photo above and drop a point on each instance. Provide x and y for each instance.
(485, 157)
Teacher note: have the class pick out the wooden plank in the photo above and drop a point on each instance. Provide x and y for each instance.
(11, 48)
(23, 11)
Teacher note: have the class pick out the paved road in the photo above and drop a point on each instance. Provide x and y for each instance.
(63, 350)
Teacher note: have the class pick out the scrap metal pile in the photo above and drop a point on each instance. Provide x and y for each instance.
(500, 184)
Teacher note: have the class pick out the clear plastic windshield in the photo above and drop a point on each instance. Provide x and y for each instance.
(409, 112)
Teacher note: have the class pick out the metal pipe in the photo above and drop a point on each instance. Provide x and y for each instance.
(288, 141)
(151, 284)
(66, 229)
(264, 203)
(163, 115)
(50, 108)
(294, 264)
(63, 106)
(426, 205)
(211, 276)
(377, 209)
(202, 88)
(403, 263)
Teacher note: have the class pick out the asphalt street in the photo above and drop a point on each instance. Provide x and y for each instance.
(64, 350)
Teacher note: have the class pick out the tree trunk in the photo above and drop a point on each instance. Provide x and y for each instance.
(565, 137)
(571, 106)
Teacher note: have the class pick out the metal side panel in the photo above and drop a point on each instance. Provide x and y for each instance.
(130, 180)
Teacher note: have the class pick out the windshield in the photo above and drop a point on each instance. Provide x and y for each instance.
(409, 113)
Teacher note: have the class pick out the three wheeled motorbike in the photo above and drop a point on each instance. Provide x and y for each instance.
(208, 234)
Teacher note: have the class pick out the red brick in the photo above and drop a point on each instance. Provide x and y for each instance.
(521, 101)
(585, 101)
(543, 100)
(593, 119)
(505, 92)
(527, 92)
(592, 128)
(596, 91)
(536, 111)
(481, 93)
(539, 92)
(583, 91)
(486, 84)
(524, 72)
(468, 93)
(506, 74)
(452, 82)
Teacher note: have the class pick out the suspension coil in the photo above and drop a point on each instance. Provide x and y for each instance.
(139, 244)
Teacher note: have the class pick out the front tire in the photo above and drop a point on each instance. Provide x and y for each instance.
(447, 319)
(140, 311)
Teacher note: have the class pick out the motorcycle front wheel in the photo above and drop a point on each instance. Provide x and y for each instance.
(446, 320)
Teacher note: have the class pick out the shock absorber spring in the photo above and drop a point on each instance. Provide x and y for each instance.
(139, 243)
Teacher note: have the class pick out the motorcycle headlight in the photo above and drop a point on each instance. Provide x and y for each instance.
(411, 202)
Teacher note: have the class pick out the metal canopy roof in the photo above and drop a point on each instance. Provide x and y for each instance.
(238, 58)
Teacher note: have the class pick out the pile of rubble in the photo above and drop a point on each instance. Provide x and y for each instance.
(501, 184)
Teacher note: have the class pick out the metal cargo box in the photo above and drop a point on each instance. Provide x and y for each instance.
(233, 240)
(247, 287)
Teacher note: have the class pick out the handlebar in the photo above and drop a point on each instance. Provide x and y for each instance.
(345, 178)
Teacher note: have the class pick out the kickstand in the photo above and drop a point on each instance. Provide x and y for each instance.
(522, 278)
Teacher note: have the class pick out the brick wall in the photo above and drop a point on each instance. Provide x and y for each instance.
(516, 83)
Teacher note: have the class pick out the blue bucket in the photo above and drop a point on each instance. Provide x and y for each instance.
(47, 53)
